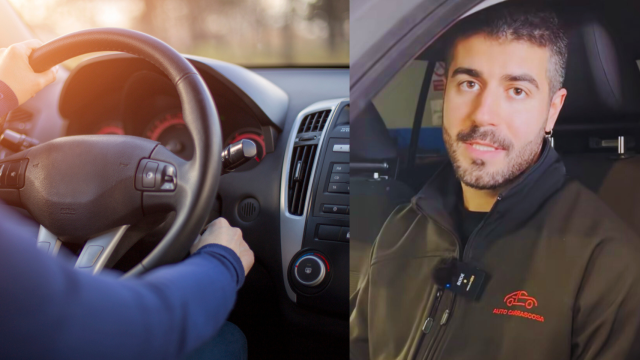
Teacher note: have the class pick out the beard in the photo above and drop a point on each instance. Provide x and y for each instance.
(474, 173)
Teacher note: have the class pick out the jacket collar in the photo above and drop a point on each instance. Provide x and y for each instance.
(439, 197)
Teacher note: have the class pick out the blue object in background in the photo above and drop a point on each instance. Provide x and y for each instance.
(430, 139)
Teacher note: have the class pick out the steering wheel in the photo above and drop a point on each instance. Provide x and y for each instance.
(91, 188)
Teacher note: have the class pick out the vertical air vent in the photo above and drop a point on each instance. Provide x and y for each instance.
(314, 122)
(300, 177)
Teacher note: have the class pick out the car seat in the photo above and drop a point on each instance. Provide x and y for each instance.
(601, 112)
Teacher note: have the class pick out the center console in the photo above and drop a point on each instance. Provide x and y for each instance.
(315, 209)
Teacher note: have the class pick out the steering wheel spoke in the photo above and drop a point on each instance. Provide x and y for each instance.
(48, 241)
(97, 252)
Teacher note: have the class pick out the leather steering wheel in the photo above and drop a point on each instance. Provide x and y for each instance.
(91, 188)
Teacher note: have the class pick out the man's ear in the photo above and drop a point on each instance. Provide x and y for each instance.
(554, 110)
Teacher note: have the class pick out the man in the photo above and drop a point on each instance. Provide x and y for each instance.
(500, 256)
(50, 311)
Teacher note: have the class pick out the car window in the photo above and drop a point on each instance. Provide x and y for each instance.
(398, 103)
(430, 141)
(246, 32)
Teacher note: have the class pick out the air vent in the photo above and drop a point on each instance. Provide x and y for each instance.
(299, 177)
(314, 122)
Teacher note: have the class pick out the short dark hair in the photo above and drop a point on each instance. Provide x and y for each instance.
(537, 26)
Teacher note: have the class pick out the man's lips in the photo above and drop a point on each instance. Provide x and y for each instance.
(479, 149)
(483, 144)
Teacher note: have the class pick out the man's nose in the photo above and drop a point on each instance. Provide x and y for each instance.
(487, 107)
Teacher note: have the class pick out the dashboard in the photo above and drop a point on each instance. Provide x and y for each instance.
(123, 94)
(268, 107)
(168, 128)
(136, 99)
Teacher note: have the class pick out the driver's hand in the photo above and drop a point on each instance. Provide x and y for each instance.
(16, 72)
(220, 232)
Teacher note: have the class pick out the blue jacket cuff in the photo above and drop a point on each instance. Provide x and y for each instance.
(227, 254)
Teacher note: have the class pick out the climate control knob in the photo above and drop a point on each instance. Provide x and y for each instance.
(309, 270)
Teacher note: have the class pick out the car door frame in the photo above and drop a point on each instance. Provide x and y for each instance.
(405, 41)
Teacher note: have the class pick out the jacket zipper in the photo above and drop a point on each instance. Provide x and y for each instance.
(428, 324)
(432, 351)
(441, 330)
(426, 328)
(446, 316)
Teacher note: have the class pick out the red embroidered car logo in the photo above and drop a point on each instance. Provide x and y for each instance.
(520, 298)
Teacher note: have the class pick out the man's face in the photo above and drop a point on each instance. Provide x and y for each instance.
(496, 108)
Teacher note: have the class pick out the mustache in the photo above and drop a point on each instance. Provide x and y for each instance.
(487, 135)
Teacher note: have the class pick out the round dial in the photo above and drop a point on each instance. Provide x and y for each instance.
(310, 270)
(110, 129)
(171, 131)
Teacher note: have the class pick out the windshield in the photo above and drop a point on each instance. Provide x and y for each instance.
(245, 32)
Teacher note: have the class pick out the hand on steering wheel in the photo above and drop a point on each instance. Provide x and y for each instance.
(90, 189)
(16, 72)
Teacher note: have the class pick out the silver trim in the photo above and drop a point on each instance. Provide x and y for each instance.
(621, 145)
(482, 5)
(292, 226)
(48, 242)
(320, 277)
(340, 148)
(108, 241)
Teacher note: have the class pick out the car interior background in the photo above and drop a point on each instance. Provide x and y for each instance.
(278, 73)
(596, 133)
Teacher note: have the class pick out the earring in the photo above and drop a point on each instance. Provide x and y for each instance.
(548, 135)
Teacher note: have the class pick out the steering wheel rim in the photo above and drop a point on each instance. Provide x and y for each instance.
(199, 176)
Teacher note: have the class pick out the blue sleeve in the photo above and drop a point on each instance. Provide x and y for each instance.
(48, 310)
(8, 99)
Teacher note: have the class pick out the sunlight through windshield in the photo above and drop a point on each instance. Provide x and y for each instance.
(246, 32)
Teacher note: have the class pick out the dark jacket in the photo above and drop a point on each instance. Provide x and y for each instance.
(546, 235)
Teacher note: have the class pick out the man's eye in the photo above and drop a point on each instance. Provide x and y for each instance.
(469, 85)
(518, 93)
